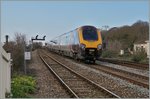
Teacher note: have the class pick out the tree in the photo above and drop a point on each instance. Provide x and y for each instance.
(126, 35)
(16, 48)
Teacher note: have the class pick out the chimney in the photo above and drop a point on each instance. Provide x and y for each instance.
(6, 39)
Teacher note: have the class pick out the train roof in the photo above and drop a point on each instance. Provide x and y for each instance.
(75, 29)
(87, 26)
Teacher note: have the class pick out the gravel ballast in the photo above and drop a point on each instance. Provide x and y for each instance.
(120, 87)
(128, 69)
(47, 85)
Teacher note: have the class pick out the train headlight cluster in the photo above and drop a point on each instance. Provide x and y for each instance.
(82, 46)
(99, 47)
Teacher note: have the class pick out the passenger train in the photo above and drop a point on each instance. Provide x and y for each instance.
(82, 43)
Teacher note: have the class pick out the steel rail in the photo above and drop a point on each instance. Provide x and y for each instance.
(146, 85)
(126, 63)
(62, 82)
(90, 81)
(125, 72)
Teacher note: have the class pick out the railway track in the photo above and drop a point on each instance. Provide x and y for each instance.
(77, 85)
(131, 77)
(126, 63)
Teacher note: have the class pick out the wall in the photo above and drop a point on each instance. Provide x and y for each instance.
(145, 47)
(5, 73)
(148, 53)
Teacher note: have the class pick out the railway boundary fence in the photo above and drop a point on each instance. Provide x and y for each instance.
(5, 73)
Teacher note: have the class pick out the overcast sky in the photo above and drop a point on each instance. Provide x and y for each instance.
(52, 18)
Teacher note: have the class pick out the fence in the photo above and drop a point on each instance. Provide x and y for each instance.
(5, 73)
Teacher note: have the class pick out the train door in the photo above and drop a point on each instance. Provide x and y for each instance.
(75, 41)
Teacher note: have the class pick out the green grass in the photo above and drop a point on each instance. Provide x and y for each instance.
(22, 86)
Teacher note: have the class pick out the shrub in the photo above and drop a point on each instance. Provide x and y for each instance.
(16, 48)
(139, 56)
(22, 86)
(108, 54)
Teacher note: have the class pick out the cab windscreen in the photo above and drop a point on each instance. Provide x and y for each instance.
(89, 33)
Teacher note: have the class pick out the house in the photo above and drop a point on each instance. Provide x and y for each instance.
(142, 46)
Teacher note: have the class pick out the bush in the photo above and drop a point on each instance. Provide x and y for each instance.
(139, 56)
(22, 86)
(108, 54)
(16, 48)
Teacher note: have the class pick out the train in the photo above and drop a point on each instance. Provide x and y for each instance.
(84, 43)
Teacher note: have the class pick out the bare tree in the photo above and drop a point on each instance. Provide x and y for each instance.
(16, 48)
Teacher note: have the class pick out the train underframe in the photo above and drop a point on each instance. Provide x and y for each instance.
(91, 54)
(88, 55)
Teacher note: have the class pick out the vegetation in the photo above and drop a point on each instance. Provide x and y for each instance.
(124, 38)
(37, 45)
(16, 48)
(22, 86)
(109, 54)
(139, 56)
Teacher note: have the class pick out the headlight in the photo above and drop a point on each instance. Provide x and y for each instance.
(99, 47)
(82, 46)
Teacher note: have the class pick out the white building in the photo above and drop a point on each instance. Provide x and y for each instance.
(142, 45)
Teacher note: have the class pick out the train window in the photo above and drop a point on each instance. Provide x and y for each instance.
(89, 33)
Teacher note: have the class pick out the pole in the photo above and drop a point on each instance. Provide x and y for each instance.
(24, 60)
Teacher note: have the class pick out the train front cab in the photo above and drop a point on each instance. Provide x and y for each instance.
(90, 43)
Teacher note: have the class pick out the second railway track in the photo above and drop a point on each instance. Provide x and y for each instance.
(127, 63)
(77, 85)
(131, 77)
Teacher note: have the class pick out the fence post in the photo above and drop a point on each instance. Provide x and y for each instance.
(0, 74)
(8, 75)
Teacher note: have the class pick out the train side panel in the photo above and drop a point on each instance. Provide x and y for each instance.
(68, 43)
(83, 43)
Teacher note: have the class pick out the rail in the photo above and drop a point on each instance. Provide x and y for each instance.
(131, 77)
(126, 63)
(93, 83)
(69, 89)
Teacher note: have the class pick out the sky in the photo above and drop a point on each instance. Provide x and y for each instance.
(53, 18)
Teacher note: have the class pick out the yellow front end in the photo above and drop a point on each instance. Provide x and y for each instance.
(90, 44)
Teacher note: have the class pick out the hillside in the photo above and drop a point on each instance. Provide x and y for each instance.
(124, 37)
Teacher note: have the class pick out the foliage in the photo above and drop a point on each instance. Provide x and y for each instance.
(114, 46)
(16, 48)
(37, 45)
(127, 35)
(22, 85)
(139, 56)
(109, 54)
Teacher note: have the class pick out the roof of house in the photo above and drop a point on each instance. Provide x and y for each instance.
(141, 42)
